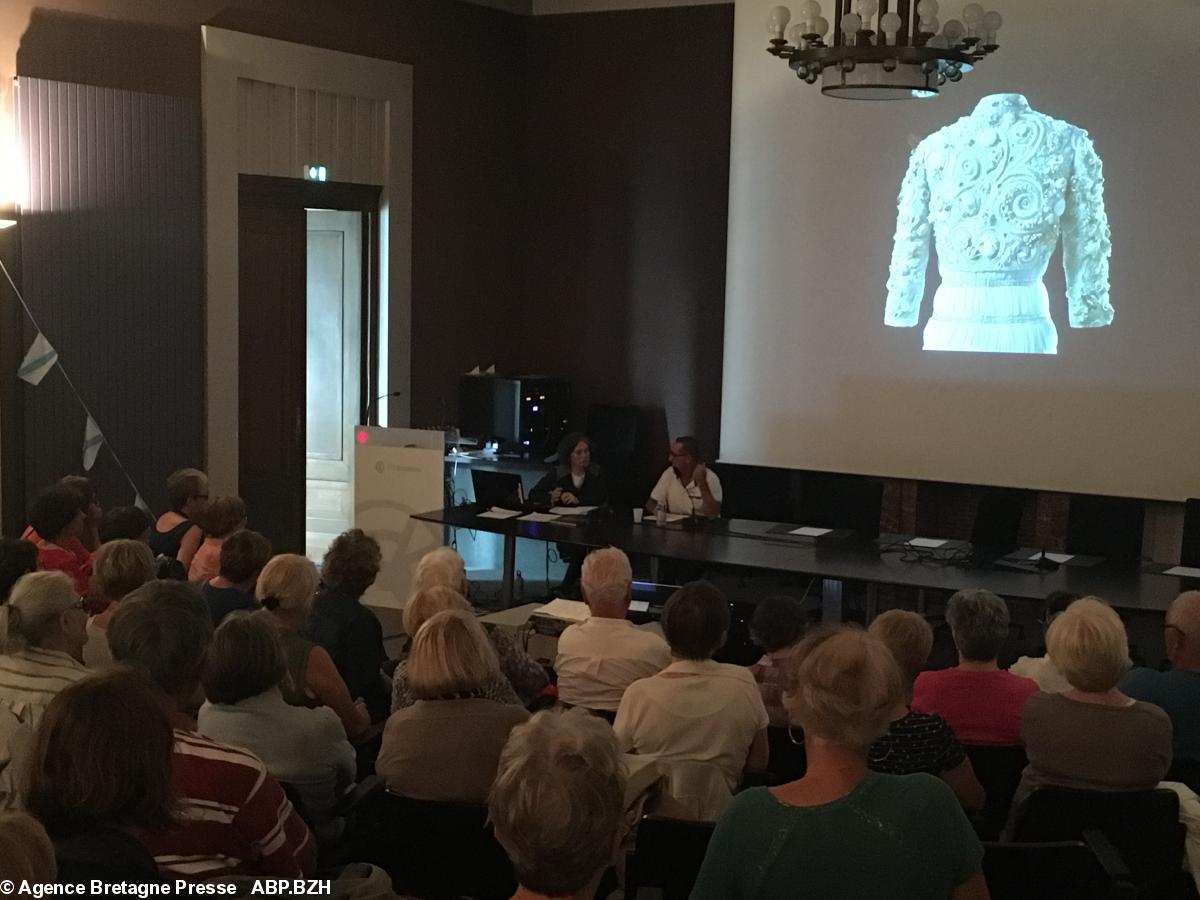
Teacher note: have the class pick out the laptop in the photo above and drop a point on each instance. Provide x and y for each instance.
(502, 489)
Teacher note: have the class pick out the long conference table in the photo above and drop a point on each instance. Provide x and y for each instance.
(835, 558)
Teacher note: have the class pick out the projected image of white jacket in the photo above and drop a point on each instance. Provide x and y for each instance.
(996, 189)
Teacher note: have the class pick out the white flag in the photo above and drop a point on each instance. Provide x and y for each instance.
(142, 505)
(92, 439)
(38, 361)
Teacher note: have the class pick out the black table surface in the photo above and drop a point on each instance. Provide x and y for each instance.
(748, 543)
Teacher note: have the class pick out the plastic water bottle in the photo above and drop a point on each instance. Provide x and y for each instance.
(518, 589)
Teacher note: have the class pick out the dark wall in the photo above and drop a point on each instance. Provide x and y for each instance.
(628, 173)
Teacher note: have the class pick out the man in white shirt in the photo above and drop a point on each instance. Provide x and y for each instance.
(599, 658)
(688, 487)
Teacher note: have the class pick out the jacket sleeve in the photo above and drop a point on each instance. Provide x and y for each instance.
(910, 251)
(541, 490)
(1086, 244)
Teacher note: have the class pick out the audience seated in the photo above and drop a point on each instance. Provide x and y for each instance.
(1092, 737)
(242, 556)
(101, 776)
(343, 626)
(557, 804)
(843, 830)
(124, 523)
(916, 741)
(442, 567)
(220, 518)
(777, 627)
(43, 628)
(121, 566)
(304, 748)
(1040, 668)
(285, 589)
(56, 523)
(978, 699)
(176, 535)
(93, 512)
(446, 745)
(26, 849)
(598, 659)
(1176, 691)
(704, 721)
(233, 818)
(17, 558)
(422, 606)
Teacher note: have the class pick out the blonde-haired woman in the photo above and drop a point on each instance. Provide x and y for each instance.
(1093, 736)
(118, 568)
(446, 746)
(285, 589)
(843, 830)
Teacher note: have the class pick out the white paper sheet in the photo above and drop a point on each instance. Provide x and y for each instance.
(538, 517)
(1059, 558)
(497, 513)
(571, 610)
(571, 510)
(926, 542)
(1185, 571)
(809, 531)
(670, 517)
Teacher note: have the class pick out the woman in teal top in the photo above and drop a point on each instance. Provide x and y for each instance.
(842, 830)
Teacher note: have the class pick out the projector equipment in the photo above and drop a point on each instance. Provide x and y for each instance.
(527, 415)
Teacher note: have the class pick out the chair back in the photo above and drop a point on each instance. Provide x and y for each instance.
(436, 850)
(1061, 870)
(1142, 825)
(667, 855)
(999, 772)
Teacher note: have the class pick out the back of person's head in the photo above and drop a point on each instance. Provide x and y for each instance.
(428, 602)
(691, 446)
(26, 849)
(695, 620)
(244, 660)
(243, 555)
(223, 516)
(164, 627)
(1183, 631)
(557, 804)
(908, 636)
(287, 583)
(82, 485)
(123, 523)
(54, 509)
(1088, 645)
(102, 756)
(185, 485)
(35, 610)
(450, 655)
(1056, 602)
(777, 623)
(845, 686)
(978, 620)
(17, 558)
(121, 566)
(607, 578)
(440, 567)
(351, 563)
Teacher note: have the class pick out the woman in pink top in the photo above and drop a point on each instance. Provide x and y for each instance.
(56, 521)
(221, 518)
(979, 700)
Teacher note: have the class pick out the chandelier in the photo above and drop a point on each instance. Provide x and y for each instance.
(877, 53)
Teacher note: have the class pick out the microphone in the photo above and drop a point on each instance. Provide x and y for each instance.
(371, 405)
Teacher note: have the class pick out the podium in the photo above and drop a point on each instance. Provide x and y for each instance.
(398, 472)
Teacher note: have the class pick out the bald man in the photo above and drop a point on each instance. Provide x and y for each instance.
(1177, 690)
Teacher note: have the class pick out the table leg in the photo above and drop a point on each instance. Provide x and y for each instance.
(831, 600)
(510, 566)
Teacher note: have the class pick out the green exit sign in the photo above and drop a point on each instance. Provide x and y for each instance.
(313, 172)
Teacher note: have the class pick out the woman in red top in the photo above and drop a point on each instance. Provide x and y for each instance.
(56, 522)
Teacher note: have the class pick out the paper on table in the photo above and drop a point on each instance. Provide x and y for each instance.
(571, 610)
(538, 517)
(926, 542)
(670, 517)
(1185, 571)
(571, 510)
(1059, 558)
(497, 513)
(809, 531)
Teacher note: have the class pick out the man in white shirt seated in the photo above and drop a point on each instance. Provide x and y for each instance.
(599, 658)
(688, 487)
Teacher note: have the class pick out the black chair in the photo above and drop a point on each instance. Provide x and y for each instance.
(1143, 826)
(1105, 526)
(997, 521)
(999, 772)
(1185, 771)
(842, 501)
(788, 759)
(614, 430)
(1090, 869)
(667, 855)
(1190, 552)
(435, 850)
